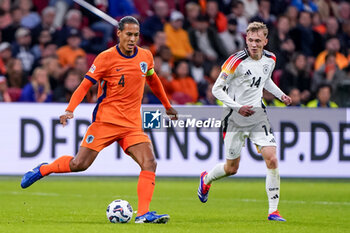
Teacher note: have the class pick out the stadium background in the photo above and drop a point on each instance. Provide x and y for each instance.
(47, 46)
(36, 66)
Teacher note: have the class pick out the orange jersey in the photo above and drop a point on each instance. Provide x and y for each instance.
(121, 81)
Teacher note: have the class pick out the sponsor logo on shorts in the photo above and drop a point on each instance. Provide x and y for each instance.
(231, 152)
(90, 139)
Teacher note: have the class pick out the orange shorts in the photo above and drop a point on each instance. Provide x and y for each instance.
(100, 135)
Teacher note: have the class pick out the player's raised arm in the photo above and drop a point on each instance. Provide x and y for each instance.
(271, 87)
(157, 88)
(94, 74)
(75, 100)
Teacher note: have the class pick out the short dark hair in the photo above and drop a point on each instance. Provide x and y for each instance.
(324, 85)
(235, 3)
(203, 18)
(125, 20)
(14, 8)
(232, 21)
(304, 12)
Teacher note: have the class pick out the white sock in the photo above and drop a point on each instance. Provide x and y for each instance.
(273, 188)
(216, 173)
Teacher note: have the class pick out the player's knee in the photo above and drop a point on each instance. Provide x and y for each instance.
(149, 165)
(272, 162)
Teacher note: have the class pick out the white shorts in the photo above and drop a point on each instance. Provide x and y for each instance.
(234, 137)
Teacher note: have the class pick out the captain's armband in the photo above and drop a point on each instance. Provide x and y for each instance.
(150, 72)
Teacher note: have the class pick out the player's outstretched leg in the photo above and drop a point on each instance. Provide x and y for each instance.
(60, 165)
(63, 164)
(32, 176)
(152, 217)
(203, 189)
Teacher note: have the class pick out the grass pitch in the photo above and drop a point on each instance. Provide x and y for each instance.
(78, 204)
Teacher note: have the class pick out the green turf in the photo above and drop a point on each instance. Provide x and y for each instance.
(78, 204)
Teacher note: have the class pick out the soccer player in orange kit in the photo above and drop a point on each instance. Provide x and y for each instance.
(120, 72)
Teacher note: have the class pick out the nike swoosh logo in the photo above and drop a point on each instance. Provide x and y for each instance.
(119, 69)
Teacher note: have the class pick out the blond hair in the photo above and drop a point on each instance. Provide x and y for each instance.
(256, 26)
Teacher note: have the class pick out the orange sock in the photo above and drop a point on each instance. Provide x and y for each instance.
(145, 189)
(60, 165)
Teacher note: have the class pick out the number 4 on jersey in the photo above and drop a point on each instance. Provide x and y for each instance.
(121, 81)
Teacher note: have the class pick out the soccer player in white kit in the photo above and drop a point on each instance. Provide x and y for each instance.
(239, 86)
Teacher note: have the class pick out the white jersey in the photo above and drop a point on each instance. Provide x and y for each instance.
(241, 82)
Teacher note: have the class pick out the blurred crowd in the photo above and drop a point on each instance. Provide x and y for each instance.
(47, 46)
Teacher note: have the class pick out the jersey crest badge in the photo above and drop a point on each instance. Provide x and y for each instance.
(143, 66)
(90, 139)
(266, 69)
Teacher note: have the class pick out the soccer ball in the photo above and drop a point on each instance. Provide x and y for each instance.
(119, 211)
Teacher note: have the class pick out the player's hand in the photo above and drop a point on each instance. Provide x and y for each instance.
(286, 99)
(172, 113)
(246, 110)
(67, 115)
